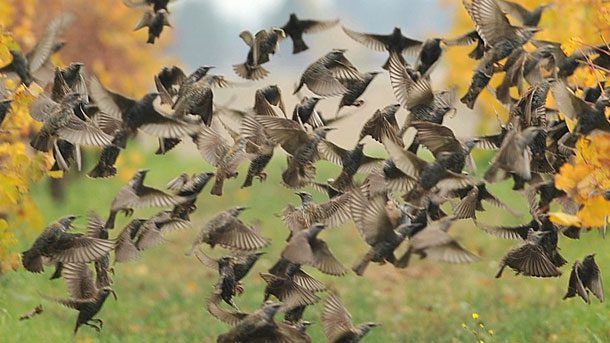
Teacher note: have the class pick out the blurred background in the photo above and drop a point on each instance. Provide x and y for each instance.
(162, 296)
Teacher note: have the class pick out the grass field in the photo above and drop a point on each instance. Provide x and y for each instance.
(162, 296)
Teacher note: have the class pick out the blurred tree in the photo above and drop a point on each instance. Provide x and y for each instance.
(102, 38)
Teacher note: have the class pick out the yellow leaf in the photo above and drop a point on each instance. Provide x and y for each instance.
(564, 219)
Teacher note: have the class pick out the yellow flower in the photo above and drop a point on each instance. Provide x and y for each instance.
(475, 315)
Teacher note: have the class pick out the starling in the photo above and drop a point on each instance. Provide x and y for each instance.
(305, 113)
(286, 269)
(325, 76)
(267, 97)
(351, 161)
(260, 327)
(295, 28)
(288, 292)
(255, 134)
(226, 157)
(417, 96)
(429, 174)
(61, 246)
(188, 187)
(470, 38)
(332, 213)
(388, 178)
(380, 222)
(383, 123)
(132, 115)
(305, 248)
(472, 201)
(480, 79)
(170, 79)
(394, 42)
(238, 263)
(585, 277)
(514, 156)
(141, 114)
(590, 117)
(548, 192)
(96, 229)
(135, 195)
(337, 322)
(85, 296)
(300, 144)
(263, 44)
(435, 243)
(226, 230)
(530, 258)
(495, 29)
(355, 88)
(231, 269)
(36, 65)
(443, 144)
(142, 234)
(550, 240)
(155, 21)
(60, 121)
(197, 98)
(523, 15)
(68, 80)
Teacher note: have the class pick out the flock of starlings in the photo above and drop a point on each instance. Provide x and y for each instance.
(398, 201)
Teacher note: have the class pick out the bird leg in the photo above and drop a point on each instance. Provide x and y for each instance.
(97, 328)
(99, 321)
(262, 176)
(239, 288)
(78, 156)
(59, 157)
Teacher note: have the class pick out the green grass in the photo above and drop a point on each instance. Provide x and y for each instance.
(162, 296)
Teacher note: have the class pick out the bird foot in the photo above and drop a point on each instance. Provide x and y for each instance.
(262, 176)
(239, 288)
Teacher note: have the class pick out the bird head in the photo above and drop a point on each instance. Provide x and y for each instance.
(336, 54)
(72, 99)
(315, 229)
(271, 309)
(66, 221)
(589, 258)
(107, 290)
(76, 66)
(370, 75)
(390, 110)
(278, 31)
(471, 143)
(323, 131)
(364, 328)
(224, 261)
(305, 197)
(236, 211)
(293, 16)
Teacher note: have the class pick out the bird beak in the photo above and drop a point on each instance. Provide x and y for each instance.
(114, 294)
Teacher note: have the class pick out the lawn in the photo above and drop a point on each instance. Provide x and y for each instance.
(162, 296)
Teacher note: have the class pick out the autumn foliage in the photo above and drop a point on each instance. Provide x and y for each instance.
(102, 39)
(575, 24)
